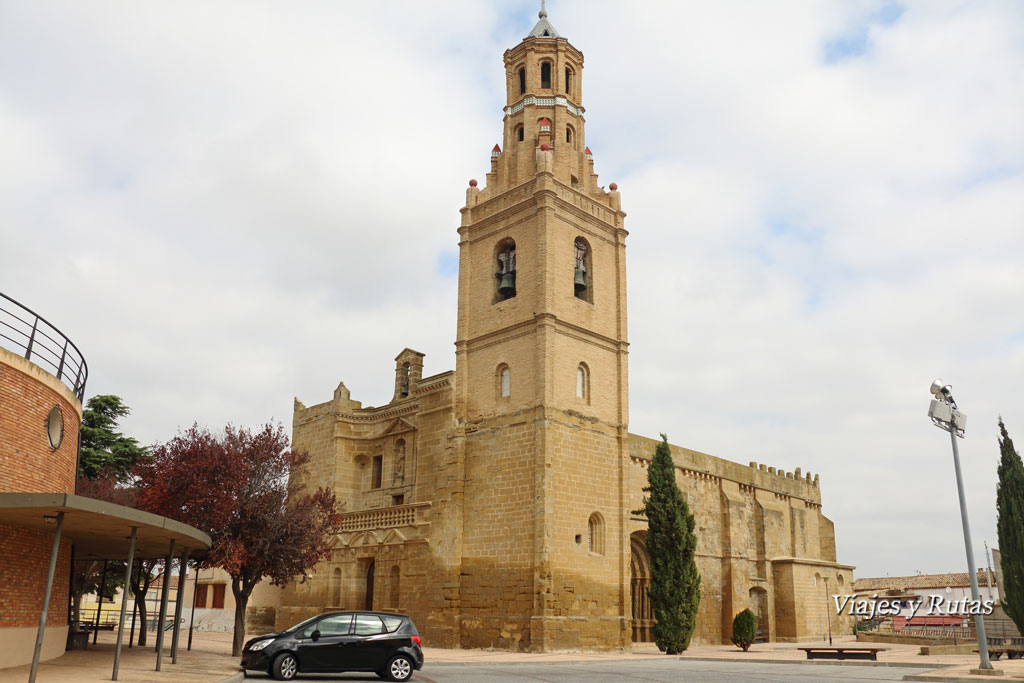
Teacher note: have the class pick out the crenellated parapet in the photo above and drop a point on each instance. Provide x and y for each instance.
(697, 465)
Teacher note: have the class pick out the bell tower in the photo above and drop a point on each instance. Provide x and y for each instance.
(541, 397)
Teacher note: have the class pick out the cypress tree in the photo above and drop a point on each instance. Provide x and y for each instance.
(675, 584)
(1010, 524)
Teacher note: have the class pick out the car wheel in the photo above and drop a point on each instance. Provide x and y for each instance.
(285, 667)
(399, 669)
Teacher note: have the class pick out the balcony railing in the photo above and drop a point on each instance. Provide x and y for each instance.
(382, 518)
(25, 332)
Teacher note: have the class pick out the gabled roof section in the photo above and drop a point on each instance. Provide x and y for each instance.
(543, 29)
(399, 426)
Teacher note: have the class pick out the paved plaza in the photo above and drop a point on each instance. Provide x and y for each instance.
(210, 661)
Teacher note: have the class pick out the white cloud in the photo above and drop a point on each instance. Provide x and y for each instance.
(228, 205)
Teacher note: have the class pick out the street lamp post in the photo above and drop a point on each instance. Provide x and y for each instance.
(944, 414)
(828, 612)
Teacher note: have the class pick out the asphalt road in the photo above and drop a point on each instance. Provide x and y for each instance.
(639, 671)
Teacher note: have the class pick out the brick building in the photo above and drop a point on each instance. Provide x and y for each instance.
(39, 420)
(43, 524)
(492, 503)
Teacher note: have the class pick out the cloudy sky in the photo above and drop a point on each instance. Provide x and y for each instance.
(229, 204)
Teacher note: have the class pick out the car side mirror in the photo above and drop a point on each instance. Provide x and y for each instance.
(315, 635)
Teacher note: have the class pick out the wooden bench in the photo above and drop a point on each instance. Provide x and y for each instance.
(842, 652)
(1010, 652)
(100, 627)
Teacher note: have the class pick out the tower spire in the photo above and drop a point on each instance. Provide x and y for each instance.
(543, 29)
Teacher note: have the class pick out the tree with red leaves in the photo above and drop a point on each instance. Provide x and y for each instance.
(234, 487)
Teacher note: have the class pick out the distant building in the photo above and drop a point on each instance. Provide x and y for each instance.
(953, 589)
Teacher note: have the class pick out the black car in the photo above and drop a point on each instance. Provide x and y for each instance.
(387, 644)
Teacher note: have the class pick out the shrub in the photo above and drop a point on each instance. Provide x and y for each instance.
(744, 629)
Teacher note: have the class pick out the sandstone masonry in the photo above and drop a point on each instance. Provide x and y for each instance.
(492, 503)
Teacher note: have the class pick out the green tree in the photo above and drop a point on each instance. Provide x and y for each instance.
(1010, 525)
(744, 629)
(675, 583)
(102, 445)
(86, 576)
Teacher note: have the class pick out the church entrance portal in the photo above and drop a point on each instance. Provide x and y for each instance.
(640, 573)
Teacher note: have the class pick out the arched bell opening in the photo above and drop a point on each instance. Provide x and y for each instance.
(583, 271)
(545, 75)
(505, 274)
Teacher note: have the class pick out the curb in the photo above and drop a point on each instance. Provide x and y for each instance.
(813, 662)
(233, 678)
(955, 679)
(818, 662)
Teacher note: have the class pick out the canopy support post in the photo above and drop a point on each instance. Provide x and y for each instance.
(46, 599)
(124, 601)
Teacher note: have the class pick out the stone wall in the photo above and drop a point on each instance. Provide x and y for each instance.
(761, 539)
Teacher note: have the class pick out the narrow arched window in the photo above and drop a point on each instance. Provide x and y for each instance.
(504, 381)
(377, 472)
(568, 134)
(505, 273)
(522, 80)
(336, 587)
(396, 578)
(583, 382)
(568, 81)
(518, 133)
(583, 275)
(545, 75)
(595, 534)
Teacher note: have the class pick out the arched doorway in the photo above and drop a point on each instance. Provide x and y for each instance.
(759, 606)
(369, 586)
(640, 580)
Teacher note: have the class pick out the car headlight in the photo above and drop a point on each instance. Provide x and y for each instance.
(260, 644)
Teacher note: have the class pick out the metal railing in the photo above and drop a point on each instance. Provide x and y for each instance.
(111, 615)
(26, 332)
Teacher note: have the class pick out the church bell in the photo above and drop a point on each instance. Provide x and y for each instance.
(508, 285)
(580, 281)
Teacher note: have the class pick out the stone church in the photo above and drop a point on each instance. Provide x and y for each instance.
(493, 503)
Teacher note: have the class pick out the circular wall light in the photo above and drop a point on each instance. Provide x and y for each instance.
(55, 427)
